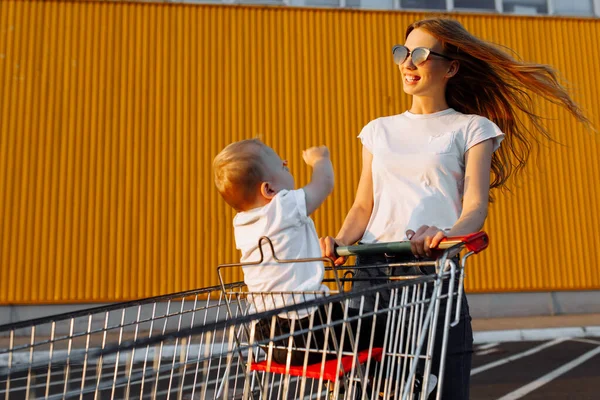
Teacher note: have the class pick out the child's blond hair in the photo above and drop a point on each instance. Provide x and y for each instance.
(239, 170)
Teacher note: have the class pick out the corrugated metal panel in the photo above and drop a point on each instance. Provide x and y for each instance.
(111, 114)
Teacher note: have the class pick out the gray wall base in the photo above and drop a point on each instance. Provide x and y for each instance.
(484, 305)
(527, 304)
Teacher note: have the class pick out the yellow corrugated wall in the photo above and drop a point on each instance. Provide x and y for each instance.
(110, 115)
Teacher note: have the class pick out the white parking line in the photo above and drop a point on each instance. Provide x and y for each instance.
(582, 340)
(487, 346)
(522, 391)
(486, 352)
(514, 357)
(519, 335)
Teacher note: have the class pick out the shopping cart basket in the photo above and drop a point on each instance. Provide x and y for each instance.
(50, 356)
(202, 352)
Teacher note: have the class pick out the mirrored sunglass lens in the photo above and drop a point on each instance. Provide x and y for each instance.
(400, 54)
(419, 55)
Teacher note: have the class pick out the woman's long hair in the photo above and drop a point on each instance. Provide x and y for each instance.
(493, 84)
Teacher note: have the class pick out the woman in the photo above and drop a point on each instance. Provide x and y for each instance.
(427, 173)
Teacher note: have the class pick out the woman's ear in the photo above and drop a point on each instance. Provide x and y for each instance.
(267, 191)
(453, 69)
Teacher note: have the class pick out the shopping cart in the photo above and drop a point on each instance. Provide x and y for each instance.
(204, 343)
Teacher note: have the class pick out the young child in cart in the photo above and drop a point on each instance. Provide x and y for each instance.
(257, 183)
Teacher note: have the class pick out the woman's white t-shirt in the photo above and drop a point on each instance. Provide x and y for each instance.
(419, 169)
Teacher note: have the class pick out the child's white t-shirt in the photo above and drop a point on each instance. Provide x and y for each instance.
(285, 221)
(418, 169)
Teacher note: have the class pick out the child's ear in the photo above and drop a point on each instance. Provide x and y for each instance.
(266, 190)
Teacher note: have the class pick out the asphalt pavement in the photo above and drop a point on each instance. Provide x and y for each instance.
(556, 357)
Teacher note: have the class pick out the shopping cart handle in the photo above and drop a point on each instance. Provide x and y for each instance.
(474, 242)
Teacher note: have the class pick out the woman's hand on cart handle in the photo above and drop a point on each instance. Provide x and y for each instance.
(328, 246)
(425, 239)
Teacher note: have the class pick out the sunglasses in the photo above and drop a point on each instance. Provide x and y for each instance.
(419, 55)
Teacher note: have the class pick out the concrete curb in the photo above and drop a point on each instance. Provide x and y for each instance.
(520, 335)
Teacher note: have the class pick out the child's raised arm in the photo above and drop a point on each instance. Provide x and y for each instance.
(321, 184)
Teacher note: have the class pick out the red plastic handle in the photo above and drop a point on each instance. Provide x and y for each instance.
(474, 242)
